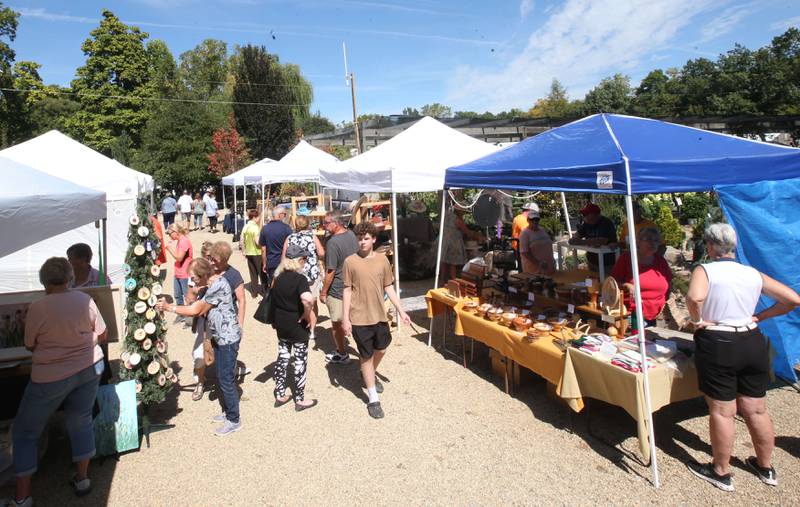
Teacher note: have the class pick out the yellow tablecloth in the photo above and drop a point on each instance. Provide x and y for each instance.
(587, 376)
(438, 301)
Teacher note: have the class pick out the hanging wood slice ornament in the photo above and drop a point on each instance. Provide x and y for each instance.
(143, 231)
(153, 367)
(164, 326)
(152, 300)
(169, 372)
(125, 356)
(155, 270)
(134, 220)
(135, 359)
(150, 328)
(156, 289)
(161, 346)
(130, 284)
(150, 314)
(126, 269)
(144, 293)
(128, 364)
(138, 387)
(173, 378)
(139, 335)
(162, 380)
(140, 307)
(147, 344)
(138, 250)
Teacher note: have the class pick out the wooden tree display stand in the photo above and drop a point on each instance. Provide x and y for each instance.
(364, 213)
(314, 202)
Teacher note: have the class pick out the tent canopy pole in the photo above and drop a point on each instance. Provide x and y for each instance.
(396, 250)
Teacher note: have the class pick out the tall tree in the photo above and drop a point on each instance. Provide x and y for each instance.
(176, 143)
(554, 105)
(301, 93)
(204, 69)
(654, 98)
(410, 111)
(436, 110)
(263, 106)
(163, 69)
(8, 32)
(111, 85)
(229, 152)
(316, 124)
(612, 95)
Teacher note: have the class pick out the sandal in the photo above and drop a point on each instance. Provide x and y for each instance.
(197, 394)
(280, 403)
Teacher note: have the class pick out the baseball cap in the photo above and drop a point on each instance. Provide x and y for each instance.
(531, 206)
(295, 251)
(590, 209)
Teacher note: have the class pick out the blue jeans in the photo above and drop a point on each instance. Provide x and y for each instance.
(225, 358)
(77, 393)
(180, 289)
(198, 221)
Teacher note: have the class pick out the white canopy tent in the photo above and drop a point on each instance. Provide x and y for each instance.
(249, 175)
(58, 155)
(414, 160)
(23, 205)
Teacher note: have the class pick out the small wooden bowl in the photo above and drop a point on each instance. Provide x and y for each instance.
(557, 324)
(470, 306)
(495, 314)
(522, 324)
(481, 310)
(508, 318)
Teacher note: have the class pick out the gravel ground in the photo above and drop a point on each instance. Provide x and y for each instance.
(450, 436)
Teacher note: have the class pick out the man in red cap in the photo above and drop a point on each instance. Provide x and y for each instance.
(596, 230)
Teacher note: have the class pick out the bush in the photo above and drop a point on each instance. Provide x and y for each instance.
(695, 205)
(671, 230)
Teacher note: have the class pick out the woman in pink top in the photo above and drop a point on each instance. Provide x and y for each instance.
(180, 248)
(63, 330)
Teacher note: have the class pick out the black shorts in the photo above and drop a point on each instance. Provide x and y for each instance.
(731, 363)
(371, 338)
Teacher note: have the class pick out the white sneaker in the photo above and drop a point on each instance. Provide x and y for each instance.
(337, 358)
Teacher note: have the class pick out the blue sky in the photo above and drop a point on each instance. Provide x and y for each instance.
(470, 55)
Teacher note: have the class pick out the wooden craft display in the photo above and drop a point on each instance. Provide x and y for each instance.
(318, 206)
(364, 212)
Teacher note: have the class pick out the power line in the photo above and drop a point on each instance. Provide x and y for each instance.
(154, 99)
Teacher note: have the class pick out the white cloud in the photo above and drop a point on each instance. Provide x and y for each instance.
(525, 8)
(581, 42)
(726, 22)
(785, 24)
(51, 16)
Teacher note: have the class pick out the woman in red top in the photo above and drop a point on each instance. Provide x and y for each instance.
(654, 275)
(180, 248)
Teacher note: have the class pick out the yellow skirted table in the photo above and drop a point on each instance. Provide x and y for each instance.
(439, 301)
(587, 376)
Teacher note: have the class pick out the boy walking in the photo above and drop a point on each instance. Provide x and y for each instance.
(367, 277)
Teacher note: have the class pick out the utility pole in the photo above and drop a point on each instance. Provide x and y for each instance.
(350, 78)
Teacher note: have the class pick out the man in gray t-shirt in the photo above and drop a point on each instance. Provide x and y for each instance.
(341, 245)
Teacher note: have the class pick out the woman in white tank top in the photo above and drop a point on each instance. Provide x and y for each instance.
(731, 354)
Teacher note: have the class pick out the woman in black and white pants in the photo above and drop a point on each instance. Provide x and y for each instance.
(292, 304)
(731, 354)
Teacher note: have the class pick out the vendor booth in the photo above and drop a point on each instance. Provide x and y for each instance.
(412, 161)
(58, 155)
(611, 154)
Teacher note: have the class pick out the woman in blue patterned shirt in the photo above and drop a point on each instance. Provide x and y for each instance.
(223, 325)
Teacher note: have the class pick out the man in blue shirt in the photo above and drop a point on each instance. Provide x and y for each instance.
(273, 235)
(168, 207)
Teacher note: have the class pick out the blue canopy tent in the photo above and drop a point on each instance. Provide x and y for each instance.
(626, 155)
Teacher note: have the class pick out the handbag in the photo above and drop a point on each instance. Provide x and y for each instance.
(265, 313)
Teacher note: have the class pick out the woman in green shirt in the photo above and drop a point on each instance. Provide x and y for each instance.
(252, 250)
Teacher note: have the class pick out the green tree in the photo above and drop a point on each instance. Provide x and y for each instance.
(410, 111)
(554, 105)
(52, 112)
(204, 69)
(301, 93)
(671, 231)
(612, 95)
(163, 69)
(8, 32)
(316, 124)
(654, 98)
(175, 145)
(263, 107)
(436, 110)
(111, 85)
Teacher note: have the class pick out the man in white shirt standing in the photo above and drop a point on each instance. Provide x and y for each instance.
(185, 207)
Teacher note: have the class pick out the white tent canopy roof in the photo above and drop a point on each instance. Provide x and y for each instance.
(414, 160)
(59, 155)
(301, 164)
(249, 175)
(35, 206)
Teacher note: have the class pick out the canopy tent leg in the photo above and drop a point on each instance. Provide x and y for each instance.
(262, 202)
(396, 250)
(640, 323)
(224, 206)
(234, 210)
(566, 213)
(438, 258)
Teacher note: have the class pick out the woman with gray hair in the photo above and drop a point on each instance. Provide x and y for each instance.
(63, 330)
(731, 354)
(655, 275)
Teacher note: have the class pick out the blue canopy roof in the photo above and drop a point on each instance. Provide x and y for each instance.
(589, 155)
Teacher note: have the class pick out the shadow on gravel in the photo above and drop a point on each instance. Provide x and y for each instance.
(790, 444)
(347, 376)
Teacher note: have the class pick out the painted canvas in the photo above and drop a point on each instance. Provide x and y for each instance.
(116, 427)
